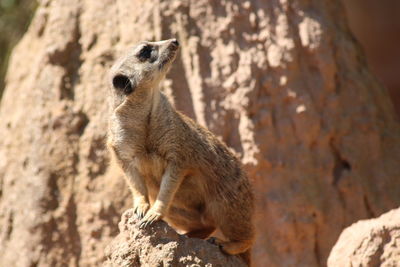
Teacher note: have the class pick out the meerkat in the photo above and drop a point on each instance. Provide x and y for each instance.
(176, 169)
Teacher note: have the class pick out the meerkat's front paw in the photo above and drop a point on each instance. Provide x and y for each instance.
(140, 207)
(151, 216)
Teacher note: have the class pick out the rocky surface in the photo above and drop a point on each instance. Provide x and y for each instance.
(282, 82)
(160, 245)
(368, 243)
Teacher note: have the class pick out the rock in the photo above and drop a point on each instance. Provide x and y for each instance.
(368, 243)
(160, 245)
(283, 83)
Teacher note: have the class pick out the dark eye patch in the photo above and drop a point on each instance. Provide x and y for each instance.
(145, 52)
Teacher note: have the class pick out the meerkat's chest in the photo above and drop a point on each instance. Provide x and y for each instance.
(128, 136)
(130, 143)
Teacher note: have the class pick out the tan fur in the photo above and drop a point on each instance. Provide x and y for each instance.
(176, 169)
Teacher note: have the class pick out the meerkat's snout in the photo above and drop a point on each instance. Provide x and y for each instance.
(174, 43)
(168, 54)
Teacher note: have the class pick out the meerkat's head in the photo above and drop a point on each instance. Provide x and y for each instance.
(144, 66)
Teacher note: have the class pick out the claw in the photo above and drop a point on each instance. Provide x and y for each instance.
(150, 217)
(137, 214)
(140, 209)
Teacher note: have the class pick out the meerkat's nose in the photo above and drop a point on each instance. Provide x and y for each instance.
(175, 42)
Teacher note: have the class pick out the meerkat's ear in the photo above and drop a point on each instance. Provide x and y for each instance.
(123, 84)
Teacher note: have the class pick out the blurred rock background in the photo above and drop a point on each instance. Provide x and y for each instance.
(284, 83)
(376, 25)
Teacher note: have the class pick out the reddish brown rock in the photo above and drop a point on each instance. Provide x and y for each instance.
(368, 243)
(160, 245)
(282, 82)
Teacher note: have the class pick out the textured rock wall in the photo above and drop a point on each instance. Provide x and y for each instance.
(282, 82)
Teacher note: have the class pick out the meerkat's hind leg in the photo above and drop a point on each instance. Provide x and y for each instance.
(235, 247)
(240, 236)
(236, 226)
(230, 247)
(240, 249)
(202, 233)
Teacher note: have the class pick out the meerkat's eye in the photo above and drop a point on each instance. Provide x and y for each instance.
(145, 52)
